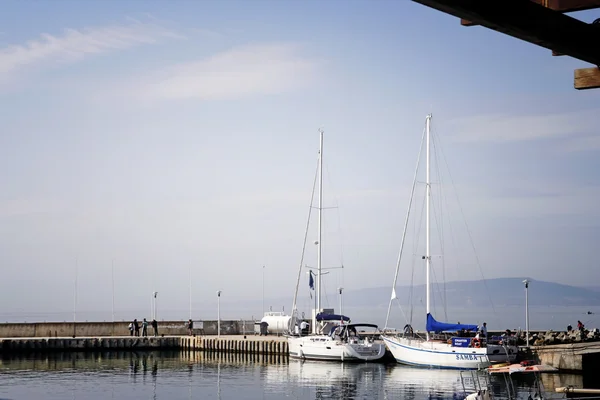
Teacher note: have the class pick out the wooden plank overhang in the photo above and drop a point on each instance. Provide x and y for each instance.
(540, 22)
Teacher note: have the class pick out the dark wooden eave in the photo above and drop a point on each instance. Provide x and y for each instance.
(562, 6)
(540, 22)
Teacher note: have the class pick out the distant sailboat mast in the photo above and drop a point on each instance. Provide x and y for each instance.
(319, 235)
(427, 223)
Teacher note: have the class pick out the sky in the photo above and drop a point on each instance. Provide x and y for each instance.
(171, 147)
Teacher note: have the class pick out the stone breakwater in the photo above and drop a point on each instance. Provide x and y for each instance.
(572, 336)
(550, 337)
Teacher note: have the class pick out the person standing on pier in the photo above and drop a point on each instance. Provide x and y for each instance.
(484, 331)
(144, 328)
(190, 326)
(304, 328)
(580, 327)
(130, 327)
(155, 327)
(136, 327)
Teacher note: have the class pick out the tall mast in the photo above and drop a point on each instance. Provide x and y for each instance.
(112, 270)
(427, 223)
(319, 237)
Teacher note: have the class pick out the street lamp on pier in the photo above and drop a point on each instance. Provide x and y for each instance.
(218, 313)
(526, 282)
(154, 294)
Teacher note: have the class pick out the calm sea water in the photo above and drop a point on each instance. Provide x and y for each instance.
(200, 375)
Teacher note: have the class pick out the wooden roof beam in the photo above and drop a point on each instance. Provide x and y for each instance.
(528, 21)
(587, 78)
(569, 5)
(562, 6)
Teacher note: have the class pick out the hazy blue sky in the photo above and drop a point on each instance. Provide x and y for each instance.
(182, 135)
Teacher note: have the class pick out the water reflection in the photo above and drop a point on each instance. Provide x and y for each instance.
(133, 361)
(532, 384)
(175, 375)
(411, 383)
(219, 379)
(331, 380)
(140, 362)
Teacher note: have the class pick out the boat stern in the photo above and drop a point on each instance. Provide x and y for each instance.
(366, 352)
(502, 354)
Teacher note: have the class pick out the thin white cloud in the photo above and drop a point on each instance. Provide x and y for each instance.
(525, 198)
(73, 45)
(515, 128)
(583, 143)
(302, 197)
(207, 33)
(240, 72)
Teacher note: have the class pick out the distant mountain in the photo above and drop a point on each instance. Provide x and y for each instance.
(500, 292)
(592, 288)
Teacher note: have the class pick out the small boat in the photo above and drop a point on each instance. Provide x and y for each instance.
(520, 368)
(498, 365)
(576, 393)
(479, 395)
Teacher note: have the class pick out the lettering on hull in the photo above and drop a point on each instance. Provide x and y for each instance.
(468, 357)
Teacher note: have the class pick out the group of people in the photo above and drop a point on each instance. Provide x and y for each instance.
(134, 327)
(580, 327)
(482, 332)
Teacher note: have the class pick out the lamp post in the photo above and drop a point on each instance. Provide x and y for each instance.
(112, 273)
(154, 305)
(218, 313)
(263, 291)
(526, 282)
(75, 291)
(340, 290)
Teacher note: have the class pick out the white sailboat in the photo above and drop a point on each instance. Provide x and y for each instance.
(435, 349)
(333, 337)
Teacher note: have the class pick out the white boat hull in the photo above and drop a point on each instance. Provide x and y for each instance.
(438, 354)
(480, 395)
(324, 347)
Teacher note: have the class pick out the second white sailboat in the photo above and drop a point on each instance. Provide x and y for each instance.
(332, 337)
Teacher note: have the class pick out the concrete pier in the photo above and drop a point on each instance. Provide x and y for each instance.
(238, 344)
(265, 345)
(241, 338)
(34, 344)
(576, 357)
